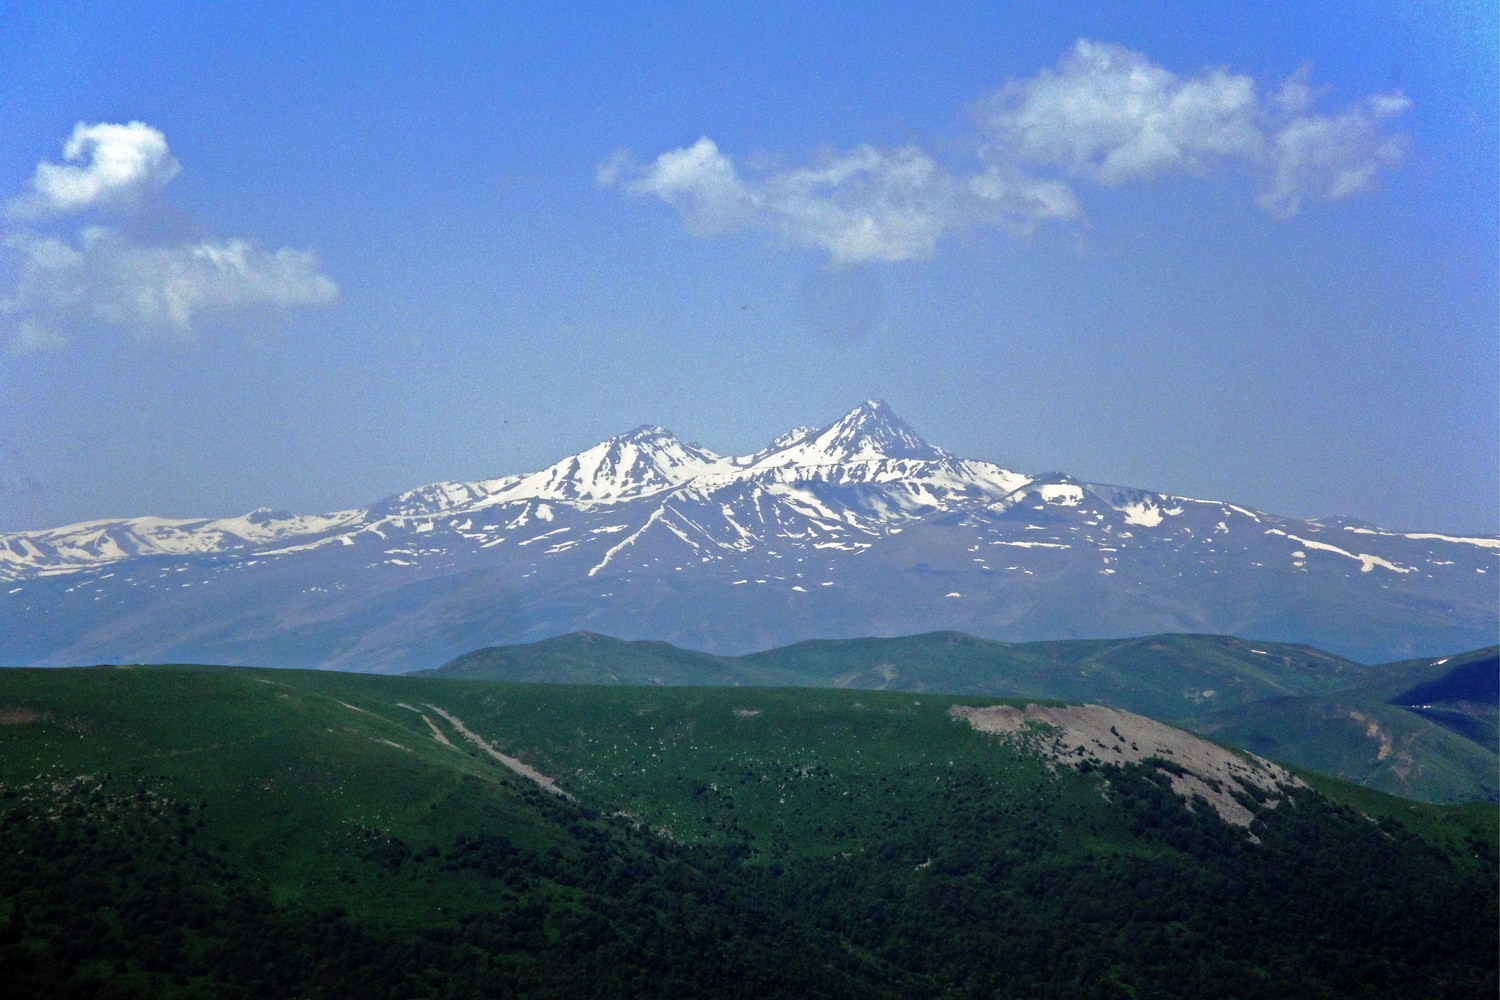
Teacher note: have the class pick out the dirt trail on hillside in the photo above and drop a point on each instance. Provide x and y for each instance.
(1071, 734)
(520, 767)
(437, 733)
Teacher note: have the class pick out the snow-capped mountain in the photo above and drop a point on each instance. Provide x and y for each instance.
(860, 527)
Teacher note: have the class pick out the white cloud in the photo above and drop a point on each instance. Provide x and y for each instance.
(1331, 157)
(1111, 115)
(67, 281)
(106, 165)
(153, 292)
(698, 181)
(1104, 114)
(861, 205)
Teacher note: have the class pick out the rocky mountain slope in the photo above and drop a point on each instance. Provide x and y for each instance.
(856, 528)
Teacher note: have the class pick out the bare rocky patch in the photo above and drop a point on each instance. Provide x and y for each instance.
(1074, 734)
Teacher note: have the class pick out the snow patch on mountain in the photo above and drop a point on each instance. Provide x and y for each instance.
(869, 432)
(645, 535)
(1366, 561)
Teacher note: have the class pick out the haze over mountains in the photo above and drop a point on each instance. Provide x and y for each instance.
(857, 528)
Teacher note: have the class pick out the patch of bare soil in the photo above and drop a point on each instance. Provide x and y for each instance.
(437, 733)
(1374, 732)
(1072, 734)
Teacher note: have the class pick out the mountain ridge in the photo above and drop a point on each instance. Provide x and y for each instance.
(855, 528)
(1418, 728)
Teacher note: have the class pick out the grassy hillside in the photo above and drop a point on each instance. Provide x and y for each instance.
(188, 831)
(1291, 702)
(214, 832)
(590, 658)
(1461, 676)
(1382, 746)
(1165, 676)
(1464, 697)
(1425, 728)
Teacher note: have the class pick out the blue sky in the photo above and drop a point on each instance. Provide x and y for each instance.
(307, 258)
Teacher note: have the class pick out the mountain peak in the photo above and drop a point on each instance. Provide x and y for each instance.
(875, 416)
(642, 460)
(646, 434)
(869, 432)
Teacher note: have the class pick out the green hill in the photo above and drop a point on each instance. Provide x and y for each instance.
(590, 658)
(1424, 728)
(1381, 746)
(1471, 676)
(1165, 676)
(195, 831)
(1295, 703)
(1463, 697)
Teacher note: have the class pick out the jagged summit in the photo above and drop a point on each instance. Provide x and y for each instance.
(651, 458)
(646, 434)
(642, 460)
(869, 432)
(779, 443)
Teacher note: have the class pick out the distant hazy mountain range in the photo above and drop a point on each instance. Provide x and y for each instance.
(857, 528)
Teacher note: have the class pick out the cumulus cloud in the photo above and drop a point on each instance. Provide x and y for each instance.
(1110, 114)
(1104, 114)
(68, 280)
(105, 165)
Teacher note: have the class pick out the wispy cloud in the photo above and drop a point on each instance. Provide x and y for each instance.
(861, 205)
(1110, 115)
(66, 281)
(1104, 115)
(1328, 157)
(153, 292)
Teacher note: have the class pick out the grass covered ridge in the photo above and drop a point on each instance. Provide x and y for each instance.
(191, 831)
